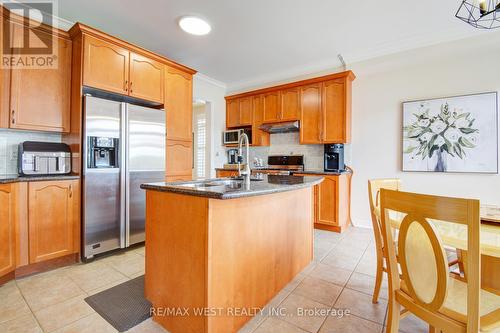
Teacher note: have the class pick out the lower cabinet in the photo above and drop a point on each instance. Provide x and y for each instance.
(226, 173)
(53, 219)
(179, 158)
(40, 221)
(332, 202)
(8, 200)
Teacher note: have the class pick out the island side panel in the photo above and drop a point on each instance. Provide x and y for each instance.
(176, 252)
(257, 245)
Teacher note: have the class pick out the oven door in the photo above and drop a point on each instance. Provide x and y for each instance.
(231, 137)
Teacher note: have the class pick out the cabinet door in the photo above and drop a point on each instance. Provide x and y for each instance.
(40, 98)
(327, 201)
(146, 78)
(272, 107)
(246, 110)
(290, 104)
(232, 113)
(226, 173)
(179, 158)
(171, 179)
(179, 104)
(311, 114)
(7, 228)
(53, 219)
(105, 66)
(334, 112)
(260, 138)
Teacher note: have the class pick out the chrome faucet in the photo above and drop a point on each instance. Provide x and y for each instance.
(247, 173)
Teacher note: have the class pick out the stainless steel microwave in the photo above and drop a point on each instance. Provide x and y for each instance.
(233, 136)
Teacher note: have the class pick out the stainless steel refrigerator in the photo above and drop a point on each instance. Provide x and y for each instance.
(123, 147)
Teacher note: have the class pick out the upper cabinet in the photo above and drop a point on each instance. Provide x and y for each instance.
(239, 112)
(322, 105)
(311, 114)
(260, 138)
(146, 78)
(179, 105)
(39, 98)
(290, 104)
(271, 107)
(110, 67)
(105, 66)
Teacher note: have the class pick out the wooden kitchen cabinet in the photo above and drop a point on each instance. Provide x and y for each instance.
(8, 200)
(179, 105)
(226, 173)
(146, 78)
(271, 107)
(260, 138)
(311, 114)
(290, 104)
(179, 158)
(40, 98)
(106, 66)
(246, 111)
(53, 215)
(336, 125)
(232, 113)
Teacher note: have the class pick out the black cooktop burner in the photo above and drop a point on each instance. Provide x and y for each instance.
(285, 180)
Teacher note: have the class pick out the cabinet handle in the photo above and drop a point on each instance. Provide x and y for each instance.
(126, 85)
(13, 116)
(130, 86)
(70, 191)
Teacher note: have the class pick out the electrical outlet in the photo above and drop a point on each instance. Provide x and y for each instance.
(13, 155)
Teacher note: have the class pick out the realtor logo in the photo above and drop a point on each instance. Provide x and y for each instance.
(27, 41)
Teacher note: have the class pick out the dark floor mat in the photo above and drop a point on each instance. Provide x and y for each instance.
(124, 305)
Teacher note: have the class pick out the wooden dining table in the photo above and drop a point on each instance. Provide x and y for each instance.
(455, 236)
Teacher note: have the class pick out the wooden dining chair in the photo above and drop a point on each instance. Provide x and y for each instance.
(374, 186)
(421, 282)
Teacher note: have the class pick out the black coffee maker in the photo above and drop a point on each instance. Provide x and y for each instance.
(334, 157)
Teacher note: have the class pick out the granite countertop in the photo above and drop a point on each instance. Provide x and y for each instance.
(210, 188)
(14, 178)
(323, 172)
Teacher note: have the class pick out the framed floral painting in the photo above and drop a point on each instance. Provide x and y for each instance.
(453, 134)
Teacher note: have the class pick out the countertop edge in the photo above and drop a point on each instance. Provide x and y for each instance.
(231, 195)
(23, 179)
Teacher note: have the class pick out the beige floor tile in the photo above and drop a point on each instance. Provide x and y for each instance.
(324, 244)
(111, 285)
(59, 315)
(44, 290)
(331, 274)
(148, 326)
(327, 236)
(318, 290)
(361, 305)
(90, 324)
(12, 303)
(308, 269)
(366, 284)
(22, 324)
(412, 324)
(297, 307)
(274, 325)
(131, 265)
(275, 302)
(139, 250)
(341, 260)
(367, 265)
(253, 323)
(320, 253)
(295, 282)
(349, 324)
(94, 275)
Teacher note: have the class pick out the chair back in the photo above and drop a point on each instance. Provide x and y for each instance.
(374, 186)
(424, 281)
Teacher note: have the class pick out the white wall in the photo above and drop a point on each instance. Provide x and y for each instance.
(212, 91)
(462, 67)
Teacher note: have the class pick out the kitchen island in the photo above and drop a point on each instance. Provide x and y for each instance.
(217, 251)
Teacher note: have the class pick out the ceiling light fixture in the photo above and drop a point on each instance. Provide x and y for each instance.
(194, 25)
(481, 14)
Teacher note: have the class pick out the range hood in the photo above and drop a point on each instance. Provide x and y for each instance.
(289, 126)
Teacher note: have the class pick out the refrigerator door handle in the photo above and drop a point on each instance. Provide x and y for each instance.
(123, 174)
(127, 177)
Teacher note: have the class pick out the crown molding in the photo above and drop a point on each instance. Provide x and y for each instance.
(58, 22)
(210, 80)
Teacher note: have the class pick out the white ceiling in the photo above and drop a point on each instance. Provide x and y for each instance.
(257, 40)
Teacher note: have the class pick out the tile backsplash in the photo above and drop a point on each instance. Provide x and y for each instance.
(288, 144)
(9, 141)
